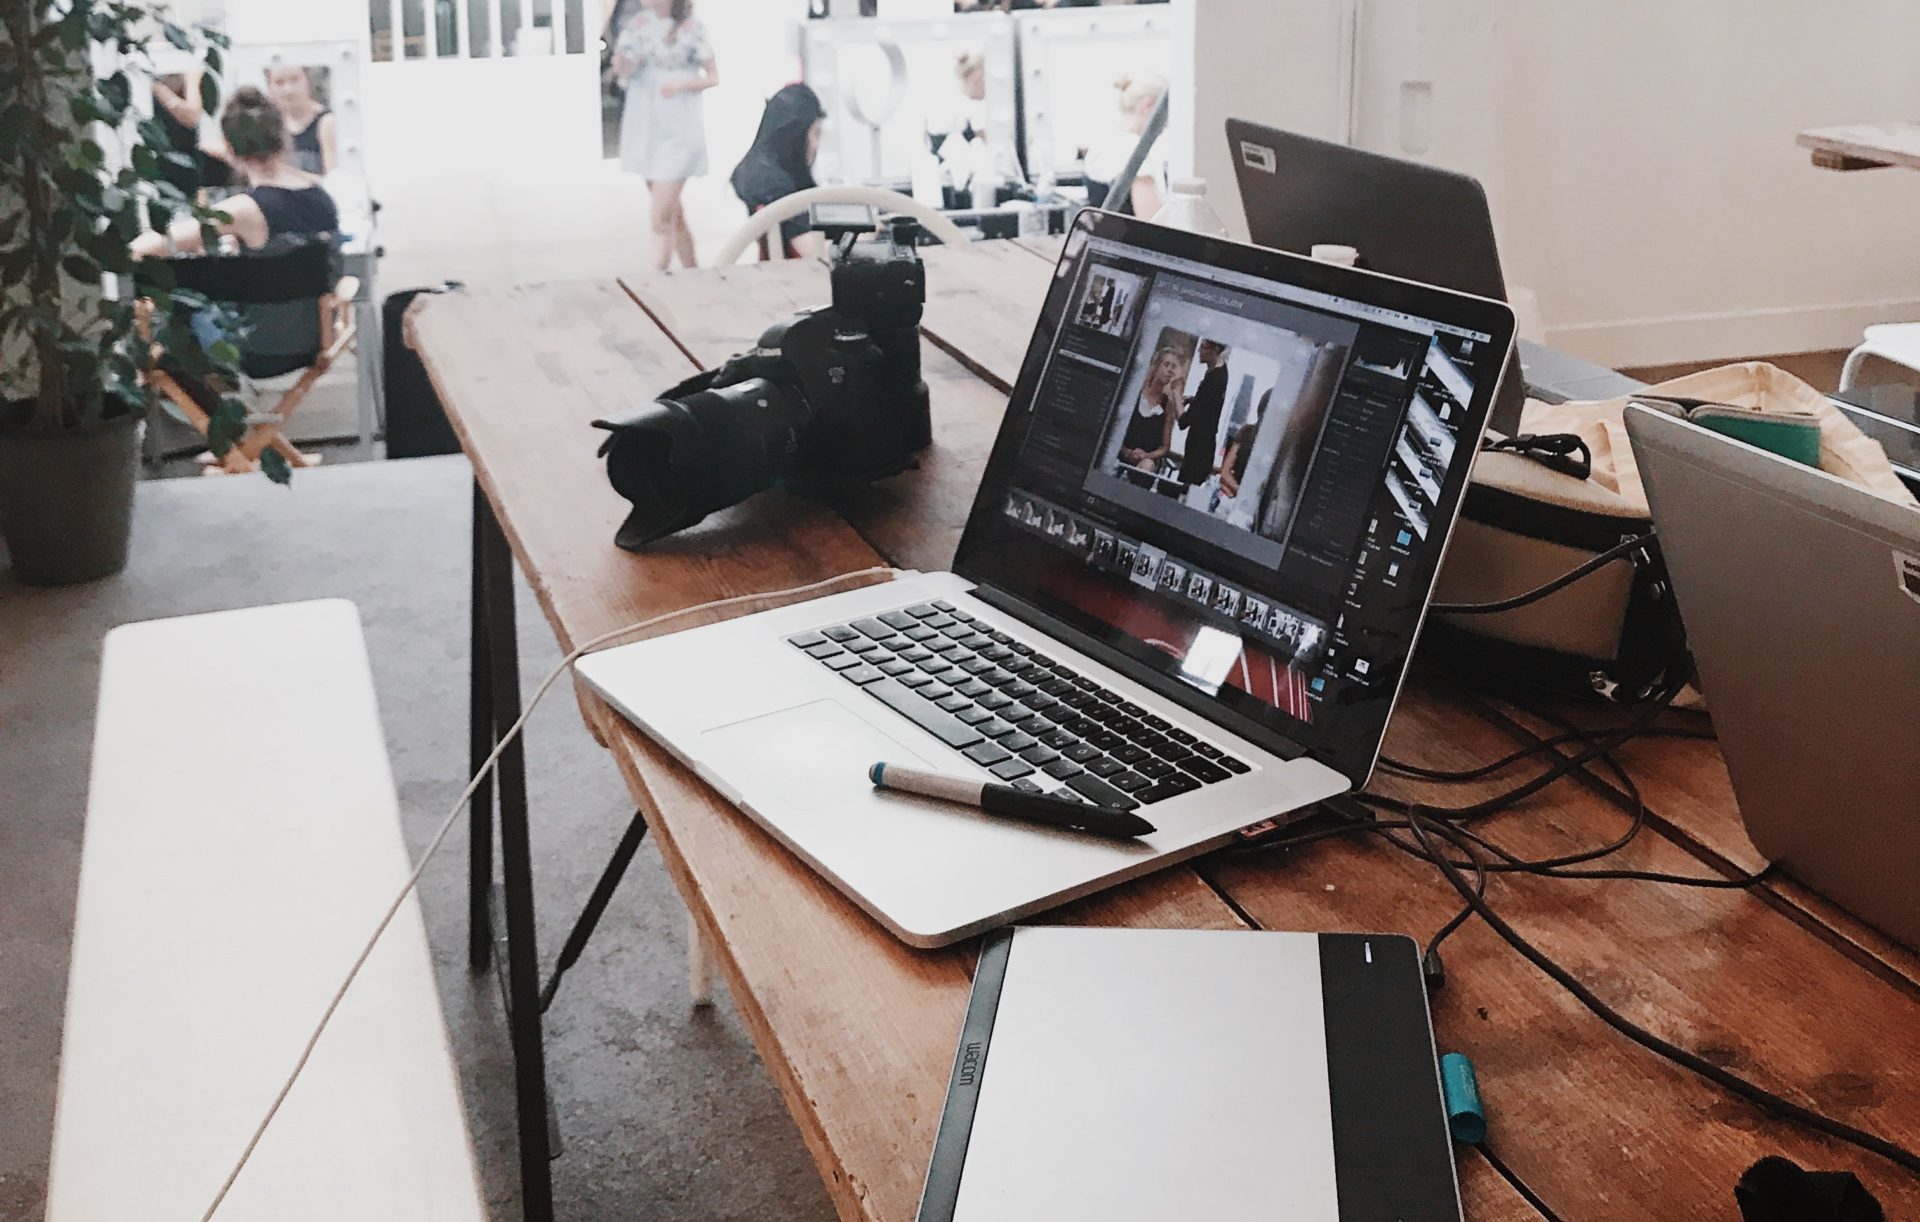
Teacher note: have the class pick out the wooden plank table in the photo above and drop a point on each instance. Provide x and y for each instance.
(858, 1030)
(1863, 146)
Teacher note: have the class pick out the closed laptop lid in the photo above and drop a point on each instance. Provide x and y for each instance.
(1406, 218)
(1143, 1075)
(1801, 598)
(1231, 473)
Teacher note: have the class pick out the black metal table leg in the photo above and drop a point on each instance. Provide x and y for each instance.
(516, 863)
(480, 741)
(603, 890)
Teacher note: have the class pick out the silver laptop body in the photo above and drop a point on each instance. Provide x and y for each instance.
(1152, 585)
(1801, 596)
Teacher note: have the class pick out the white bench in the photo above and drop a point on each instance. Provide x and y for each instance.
(242, 840)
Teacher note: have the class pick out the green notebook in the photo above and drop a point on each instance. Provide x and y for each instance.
(1794, 435)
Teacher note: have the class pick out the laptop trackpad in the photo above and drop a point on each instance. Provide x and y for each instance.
(812, 756)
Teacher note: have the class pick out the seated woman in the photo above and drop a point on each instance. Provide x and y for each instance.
(279, 200)
(281, 205)
(781, 162)
(1149, 432)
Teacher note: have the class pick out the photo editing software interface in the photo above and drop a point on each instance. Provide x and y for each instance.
(1243, 476)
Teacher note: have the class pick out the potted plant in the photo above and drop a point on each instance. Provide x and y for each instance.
(82, 174)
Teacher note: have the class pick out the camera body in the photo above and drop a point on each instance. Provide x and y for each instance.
(831, 396)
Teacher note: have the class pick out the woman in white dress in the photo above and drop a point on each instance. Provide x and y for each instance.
(663, 55)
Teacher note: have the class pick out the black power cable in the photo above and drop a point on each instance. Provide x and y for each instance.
(1426, 821)
(1733, 1083)
(1615, 553)
(1449, 776)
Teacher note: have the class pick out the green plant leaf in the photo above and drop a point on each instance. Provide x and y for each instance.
(89, 154)
(211, 56)
(274, 465)
(225, 352)
(81, 268)
(209, 92)
(146, 162)
(177, 36)
(173, 409)
(86, 109)
(225, 425)
(117, 90)
(111, 253)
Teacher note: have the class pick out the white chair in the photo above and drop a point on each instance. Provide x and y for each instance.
(1898, 342)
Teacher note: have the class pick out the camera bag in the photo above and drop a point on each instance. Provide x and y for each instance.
(1568, 489)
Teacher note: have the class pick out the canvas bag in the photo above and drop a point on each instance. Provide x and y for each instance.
(1615, 633)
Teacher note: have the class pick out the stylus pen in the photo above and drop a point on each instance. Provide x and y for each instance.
(1012, 803)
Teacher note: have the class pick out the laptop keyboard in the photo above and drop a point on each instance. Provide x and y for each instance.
(1027, 719)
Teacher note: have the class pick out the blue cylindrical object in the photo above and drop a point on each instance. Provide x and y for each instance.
(1466, 1115)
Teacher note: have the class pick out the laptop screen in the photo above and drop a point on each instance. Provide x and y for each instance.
(1236, 470)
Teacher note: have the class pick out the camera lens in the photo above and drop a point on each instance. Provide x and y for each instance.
(679, 459)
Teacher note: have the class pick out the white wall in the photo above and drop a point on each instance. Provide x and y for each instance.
(1639, 155)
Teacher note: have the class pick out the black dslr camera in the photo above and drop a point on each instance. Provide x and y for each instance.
(829, 397)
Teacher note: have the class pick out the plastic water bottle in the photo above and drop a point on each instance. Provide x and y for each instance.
(1187, 208)
(926, 181)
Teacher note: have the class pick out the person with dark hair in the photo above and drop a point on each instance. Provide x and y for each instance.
(1201, 418)
(176, 106)
(312, 130)
(278, 200)
(663, 55)
(281, 204)
(1233, 464)
(780, 162)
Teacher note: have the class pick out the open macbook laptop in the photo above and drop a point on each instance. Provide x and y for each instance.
(1407, 219)
(1199, 557)
(1801, 596)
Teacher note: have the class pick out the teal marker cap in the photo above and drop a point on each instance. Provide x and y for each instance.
(876, 772)
(1466, 1115)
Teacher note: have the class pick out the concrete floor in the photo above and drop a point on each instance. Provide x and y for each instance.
(666, 1112)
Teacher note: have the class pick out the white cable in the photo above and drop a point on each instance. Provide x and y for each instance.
(453, 817)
